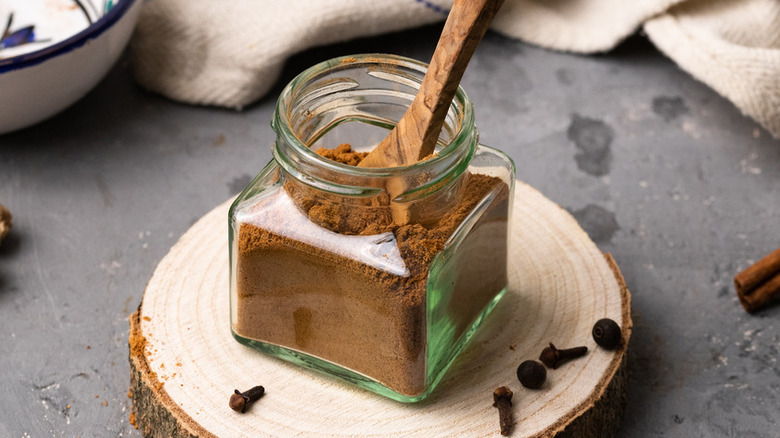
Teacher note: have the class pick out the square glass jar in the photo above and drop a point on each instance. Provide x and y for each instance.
(377, 276)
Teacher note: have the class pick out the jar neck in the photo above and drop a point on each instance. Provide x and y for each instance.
(358, 100)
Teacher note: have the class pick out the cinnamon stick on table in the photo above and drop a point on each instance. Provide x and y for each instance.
(759, 284)
(5, 222)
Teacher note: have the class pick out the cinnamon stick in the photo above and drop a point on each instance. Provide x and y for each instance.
(5, 222)
(759, 284)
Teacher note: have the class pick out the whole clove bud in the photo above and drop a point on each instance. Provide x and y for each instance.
(552, 357)
(502, 399)
(239, 401)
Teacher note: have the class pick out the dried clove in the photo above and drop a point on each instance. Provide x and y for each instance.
(502, 399)
(606, 333)
(239, 401)
(552, 357)
(531, 374)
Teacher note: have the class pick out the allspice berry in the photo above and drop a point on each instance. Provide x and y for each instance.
(531, 374)
(606, 333)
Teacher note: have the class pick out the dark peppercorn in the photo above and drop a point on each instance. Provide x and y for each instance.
(531, 374)
(606, 333)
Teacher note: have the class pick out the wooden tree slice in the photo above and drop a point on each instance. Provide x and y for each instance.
(185, 364)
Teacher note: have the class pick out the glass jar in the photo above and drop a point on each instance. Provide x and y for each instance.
(377, 276)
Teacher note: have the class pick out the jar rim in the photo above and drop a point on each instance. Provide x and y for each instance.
(281, 119)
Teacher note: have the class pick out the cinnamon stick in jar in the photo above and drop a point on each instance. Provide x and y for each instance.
(759, 284)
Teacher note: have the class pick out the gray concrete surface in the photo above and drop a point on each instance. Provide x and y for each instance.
(659, 169)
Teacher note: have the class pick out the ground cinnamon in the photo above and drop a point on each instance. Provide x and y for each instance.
(343, 154)
(347, 285)
(759, 284)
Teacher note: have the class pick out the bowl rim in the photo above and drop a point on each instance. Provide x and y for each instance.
(73, 42)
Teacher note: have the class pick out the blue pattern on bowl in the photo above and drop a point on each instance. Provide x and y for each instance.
(51, 56)
(19, 37)
(27, 35)
(96, 21)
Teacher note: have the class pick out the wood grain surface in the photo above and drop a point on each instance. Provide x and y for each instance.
(185, 364)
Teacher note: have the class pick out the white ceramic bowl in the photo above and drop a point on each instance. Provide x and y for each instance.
(52, 52)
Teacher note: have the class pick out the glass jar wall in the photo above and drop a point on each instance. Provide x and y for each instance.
(374, 276)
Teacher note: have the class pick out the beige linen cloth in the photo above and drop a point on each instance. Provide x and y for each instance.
(230, 53)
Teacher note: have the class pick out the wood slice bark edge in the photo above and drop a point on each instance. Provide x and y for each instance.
(154, 413)
(602, 414)
(157, 415)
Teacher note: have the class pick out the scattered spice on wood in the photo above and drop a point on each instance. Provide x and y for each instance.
(759, 285)
(552, 357)
(137, 343)
(502, 399)
(6, 221)
(240, 401)
(531, 374)
(606, 332)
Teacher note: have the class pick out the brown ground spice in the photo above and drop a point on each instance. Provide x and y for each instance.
(343, 154)
(316, 297)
